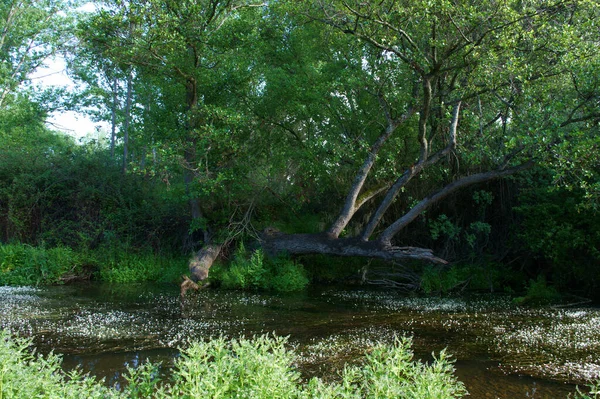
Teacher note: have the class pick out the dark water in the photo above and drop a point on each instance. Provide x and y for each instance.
(502, 351)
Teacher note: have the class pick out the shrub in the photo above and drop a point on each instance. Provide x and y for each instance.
(24, 375)
(259, 368)
(254, 271)
(538, 293)
(391, 372)
(25, 265)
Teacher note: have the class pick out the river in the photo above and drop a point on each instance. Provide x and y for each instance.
(501, 350)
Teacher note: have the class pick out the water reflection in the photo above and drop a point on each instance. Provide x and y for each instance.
(502, 350)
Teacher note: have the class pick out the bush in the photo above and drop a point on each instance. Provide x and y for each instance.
(257, 368)
(254, 271)
(391, 372)
(24, 375)
(538, 293)
(25, 265)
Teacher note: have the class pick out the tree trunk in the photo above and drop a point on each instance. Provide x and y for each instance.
(275, 242)
(113, 119)
(127, 120)
(202, 261)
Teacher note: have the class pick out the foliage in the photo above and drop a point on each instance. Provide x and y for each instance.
(593, 394)
(485, 276)
(25, 375)
(22, 264)
(538, 293)
(391, 372)
(261, 367)
(121, 266)
(56, 193)
(327, 269)
(255, 271)
(257, 368)
(561, 233)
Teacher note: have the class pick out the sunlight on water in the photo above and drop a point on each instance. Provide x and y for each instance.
(99, 326)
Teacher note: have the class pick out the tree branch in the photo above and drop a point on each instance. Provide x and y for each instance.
(386, 237)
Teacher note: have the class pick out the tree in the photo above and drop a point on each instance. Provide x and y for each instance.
(185, 51)
(489, 87)
(32, 32)
(383, 98)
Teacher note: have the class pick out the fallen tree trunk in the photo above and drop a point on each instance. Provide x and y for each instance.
(275, 242)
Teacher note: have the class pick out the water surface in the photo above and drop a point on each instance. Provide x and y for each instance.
(502, 351)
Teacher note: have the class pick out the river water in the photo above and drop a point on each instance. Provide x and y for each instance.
(501, 350)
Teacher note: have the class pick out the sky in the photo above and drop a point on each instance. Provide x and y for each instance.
(72, 123)
(53, 73)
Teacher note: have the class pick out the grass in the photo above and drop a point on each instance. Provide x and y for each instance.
(24, 265)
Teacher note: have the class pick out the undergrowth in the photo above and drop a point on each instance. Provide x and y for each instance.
(22, 264)
(254, 271)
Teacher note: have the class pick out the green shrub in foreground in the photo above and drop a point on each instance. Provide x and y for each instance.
(258, 368)
(23, 375)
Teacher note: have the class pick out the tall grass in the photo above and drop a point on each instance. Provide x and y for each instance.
(22, 264)
(129, 267)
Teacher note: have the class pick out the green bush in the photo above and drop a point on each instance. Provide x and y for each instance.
(391, 372)
(254, 271)
(257, 368)
(538, 293)
(261, 367)
(24, 375)
(25, 265)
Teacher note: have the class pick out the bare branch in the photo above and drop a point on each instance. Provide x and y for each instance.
(409, 173)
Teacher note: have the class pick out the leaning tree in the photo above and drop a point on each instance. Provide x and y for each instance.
(488, 89)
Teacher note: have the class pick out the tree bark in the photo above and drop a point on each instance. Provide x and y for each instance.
(113, 111)
(411, 172)
(127, 120)
(202, 261)
(275, 243)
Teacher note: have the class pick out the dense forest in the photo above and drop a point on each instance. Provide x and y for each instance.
(428, 145)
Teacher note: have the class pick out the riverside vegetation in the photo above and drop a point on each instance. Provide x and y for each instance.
(261, 367)
(412, 132)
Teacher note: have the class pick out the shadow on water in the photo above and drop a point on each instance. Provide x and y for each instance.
(502, 351)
